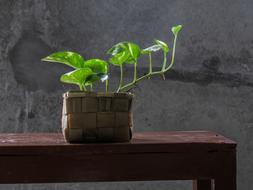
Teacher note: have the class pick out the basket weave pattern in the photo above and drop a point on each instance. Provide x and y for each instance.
(94, 117)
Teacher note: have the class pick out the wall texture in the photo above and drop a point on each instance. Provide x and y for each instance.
(210, 87)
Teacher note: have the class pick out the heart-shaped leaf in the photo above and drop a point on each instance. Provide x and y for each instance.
(77, 76)
(97, 65)
(119, 58)
(150, 49)
(163, 45)
(124, 52)
(133, 49)
(118, 48)
(69, 58)
(176, 29)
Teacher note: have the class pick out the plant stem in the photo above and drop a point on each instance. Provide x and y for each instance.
(173, 54)
(132, 84)
(164, 60)
(135, 70)
(164, 64)
(107, 82)
(121, 78)
(106, 85)
(150, 63)
(82, 87)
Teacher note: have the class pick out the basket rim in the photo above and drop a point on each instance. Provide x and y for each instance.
(73, 94)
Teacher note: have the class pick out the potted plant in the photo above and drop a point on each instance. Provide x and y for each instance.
(89, 116)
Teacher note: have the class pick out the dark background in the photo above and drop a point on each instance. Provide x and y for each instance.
(210, 87)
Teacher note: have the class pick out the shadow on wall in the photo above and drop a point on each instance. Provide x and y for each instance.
(29, 71)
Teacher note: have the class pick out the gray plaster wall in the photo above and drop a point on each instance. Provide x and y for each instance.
(210, 87)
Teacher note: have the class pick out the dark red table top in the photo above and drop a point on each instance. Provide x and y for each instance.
(47, 158)
(180, 141)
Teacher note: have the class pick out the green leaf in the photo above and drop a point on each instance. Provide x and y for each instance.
(95, 77)
(133, 49)
(97, 65)
(77, 76)
(71, 59)
(119, 58)
(163, 45)
(91, 79)
(118, 48)
(124, 52)
(150, 49)
(176, 29)
(130, 60)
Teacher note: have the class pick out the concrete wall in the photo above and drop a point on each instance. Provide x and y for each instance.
(210, 87)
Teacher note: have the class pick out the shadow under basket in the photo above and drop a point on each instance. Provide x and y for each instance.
(97, 117)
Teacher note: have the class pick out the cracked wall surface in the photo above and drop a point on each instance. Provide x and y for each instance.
(209, 88)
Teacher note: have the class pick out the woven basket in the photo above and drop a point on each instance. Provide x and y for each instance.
(97, 117)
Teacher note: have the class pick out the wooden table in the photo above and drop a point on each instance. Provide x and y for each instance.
(206, 158)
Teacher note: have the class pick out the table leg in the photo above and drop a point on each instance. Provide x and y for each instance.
(226, 178)
(202, 184)
(225, 184)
